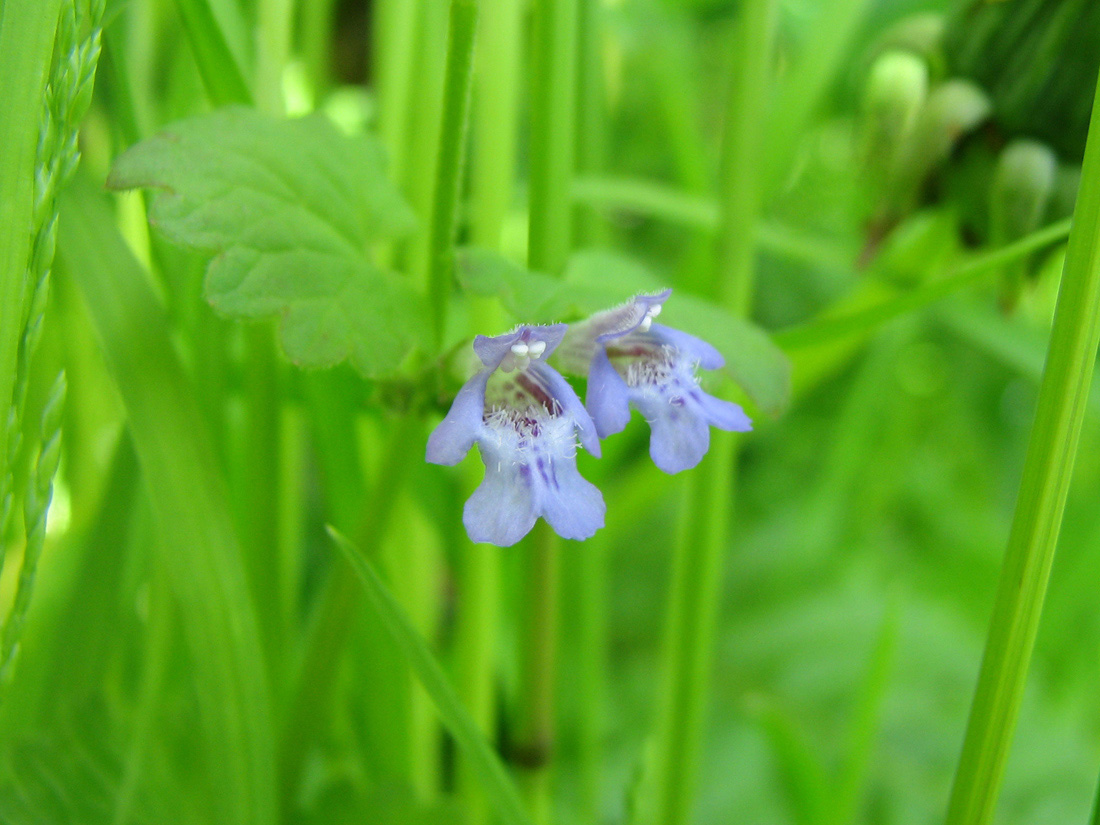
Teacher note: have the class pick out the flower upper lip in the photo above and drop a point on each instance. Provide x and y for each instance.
(493, 350)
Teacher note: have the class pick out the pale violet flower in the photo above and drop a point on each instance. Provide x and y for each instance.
(633, 362)
(525, 419)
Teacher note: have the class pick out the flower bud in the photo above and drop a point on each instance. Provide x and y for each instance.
(1021, 191)
(895, 91)
(952, 110)
(1018, 200)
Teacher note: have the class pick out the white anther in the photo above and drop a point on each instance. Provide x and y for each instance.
(519, 349)
(654, 311)
(537, 348)
(646, 323)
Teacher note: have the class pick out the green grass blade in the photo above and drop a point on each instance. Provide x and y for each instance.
(197, 543)
(1047, 471)
(26, 43)
(499, 789)
(221, 71)
(967, 274)
(866, 720)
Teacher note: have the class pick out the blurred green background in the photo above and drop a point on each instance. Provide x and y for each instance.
(193, 649)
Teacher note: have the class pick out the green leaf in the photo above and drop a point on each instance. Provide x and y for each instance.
(196, 545)
(596, 280)
(292, 207)
(499, 790)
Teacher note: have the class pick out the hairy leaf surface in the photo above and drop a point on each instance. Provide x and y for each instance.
(292, 207)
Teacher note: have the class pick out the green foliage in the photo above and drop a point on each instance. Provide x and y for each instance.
(500, 790)
(199, 550)
(292, 207)
(789, 633)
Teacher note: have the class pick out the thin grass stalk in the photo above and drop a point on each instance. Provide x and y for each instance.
(824, 52)
(423, 118)
(495, 118)
(477, 574)
(452, 141)
(536, 740)
(677, 94)
(494, 114)
(273, 24)
(393, 64)
(157, 649)
(704, 531)
(553, 93)
(591, 124)
(984, 265)
(490, 771)
(553, 113)
(1044, 485)
(260, 459)
(315, 43)
(586, 591)
(584, 585)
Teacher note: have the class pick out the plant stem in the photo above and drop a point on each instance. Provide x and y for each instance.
(452, 140)
(273, 20)
(492, 173)
(1044, 486)
(261, 456)
(419, 151)
(689, 632)
(478, 582)
(395, 28)
(535, 736)
(314, 42)
(553, 90)
(591, 124)
(418, 655)
(496, 112)
(584, 582)
(584, 641)
(704, 532)
(739, 172)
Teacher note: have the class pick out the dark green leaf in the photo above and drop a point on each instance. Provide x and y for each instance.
(293, 207)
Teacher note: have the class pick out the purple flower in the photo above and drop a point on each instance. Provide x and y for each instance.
(632, 361)
(525, 419)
